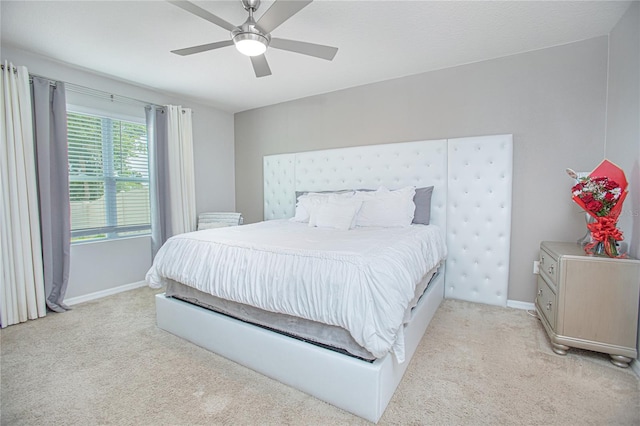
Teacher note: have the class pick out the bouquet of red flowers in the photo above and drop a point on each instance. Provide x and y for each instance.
(601, 195)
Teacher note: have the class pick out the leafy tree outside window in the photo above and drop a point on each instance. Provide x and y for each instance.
(108, 177)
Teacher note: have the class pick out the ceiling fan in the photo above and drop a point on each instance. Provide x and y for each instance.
(252, 38)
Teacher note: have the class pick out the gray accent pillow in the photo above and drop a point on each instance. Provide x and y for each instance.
(422, 200)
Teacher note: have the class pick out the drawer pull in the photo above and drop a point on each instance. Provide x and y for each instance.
(541, 260)
(550, 269)
(540, 293)
(548, 306)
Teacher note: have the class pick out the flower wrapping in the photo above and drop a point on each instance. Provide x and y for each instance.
(601, 195)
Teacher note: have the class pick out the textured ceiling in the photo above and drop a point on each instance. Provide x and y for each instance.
(377, 40)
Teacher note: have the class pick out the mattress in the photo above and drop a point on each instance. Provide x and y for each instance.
(327, 336)
(362, 280)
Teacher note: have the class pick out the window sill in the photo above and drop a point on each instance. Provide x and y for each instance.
(110, 240)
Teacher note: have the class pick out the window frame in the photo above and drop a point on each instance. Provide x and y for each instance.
(109, 178)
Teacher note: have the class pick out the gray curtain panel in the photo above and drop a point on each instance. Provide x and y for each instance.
(52, 158)
(158, 159)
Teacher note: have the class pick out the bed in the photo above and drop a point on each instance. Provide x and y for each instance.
(363, 280)
(361, 382)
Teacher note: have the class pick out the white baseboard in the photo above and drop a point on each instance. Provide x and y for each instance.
(516, 304)
(104, 293)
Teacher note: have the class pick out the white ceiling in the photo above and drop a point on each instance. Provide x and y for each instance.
(377, 40)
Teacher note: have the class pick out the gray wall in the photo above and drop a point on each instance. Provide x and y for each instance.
(552, 101)
(623, 119)
(92, 264)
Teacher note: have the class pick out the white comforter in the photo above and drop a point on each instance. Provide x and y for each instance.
(362, 279)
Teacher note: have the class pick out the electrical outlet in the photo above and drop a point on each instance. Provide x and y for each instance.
(536, 267)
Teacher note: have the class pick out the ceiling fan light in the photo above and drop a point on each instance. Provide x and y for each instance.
(250, 44)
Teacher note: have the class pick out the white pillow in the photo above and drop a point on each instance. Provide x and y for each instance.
(302, 212)
(336, 213)
(309, 202)
(386, 208)
(311, 205)
(302, 215)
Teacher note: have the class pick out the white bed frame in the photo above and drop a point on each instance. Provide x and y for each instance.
(471, 202)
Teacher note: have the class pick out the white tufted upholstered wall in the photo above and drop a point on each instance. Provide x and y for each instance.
(471, 199)
(279, 186)
(479, 219)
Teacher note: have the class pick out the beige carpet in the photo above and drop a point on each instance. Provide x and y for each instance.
(105, 362)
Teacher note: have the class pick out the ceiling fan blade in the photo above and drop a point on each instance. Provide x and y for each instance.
(280, 11)
(202, 48)
(311, 49)
(197, 10)
(260, 66)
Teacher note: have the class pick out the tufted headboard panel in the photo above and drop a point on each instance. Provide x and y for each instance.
(279, 186)
(479, 219)
(367, 167)
(471, 199)
(391, 165)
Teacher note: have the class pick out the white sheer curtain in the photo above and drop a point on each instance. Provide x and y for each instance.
(182, 192)
(22, 294)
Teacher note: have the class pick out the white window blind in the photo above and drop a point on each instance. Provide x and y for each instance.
(108, 177)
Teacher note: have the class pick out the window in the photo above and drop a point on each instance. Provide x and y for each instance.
(108, 177)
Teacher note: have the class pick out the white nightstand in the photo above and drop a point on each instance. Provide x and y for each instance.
(588, 302)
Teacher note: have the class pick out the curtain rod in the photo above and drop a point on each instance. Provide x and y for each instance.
(89, 91)
(97, 93)
(108, 96)
(94, 92)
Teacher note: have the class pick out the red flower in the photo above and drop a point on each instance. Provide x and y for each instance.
(587, 197)
(610, 184)
(600, 195)
(594, 206)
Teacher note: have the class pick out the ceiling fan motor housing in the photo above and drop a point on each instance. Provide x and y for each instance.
(251, 4)
(248, 37)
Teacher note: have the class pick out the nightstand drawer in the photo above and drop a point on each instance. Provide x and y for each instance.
(546, 301)
(549, 267)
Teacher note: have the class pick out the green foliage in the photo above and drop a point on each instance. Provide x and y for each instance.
(89, 238)
(104, 150)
